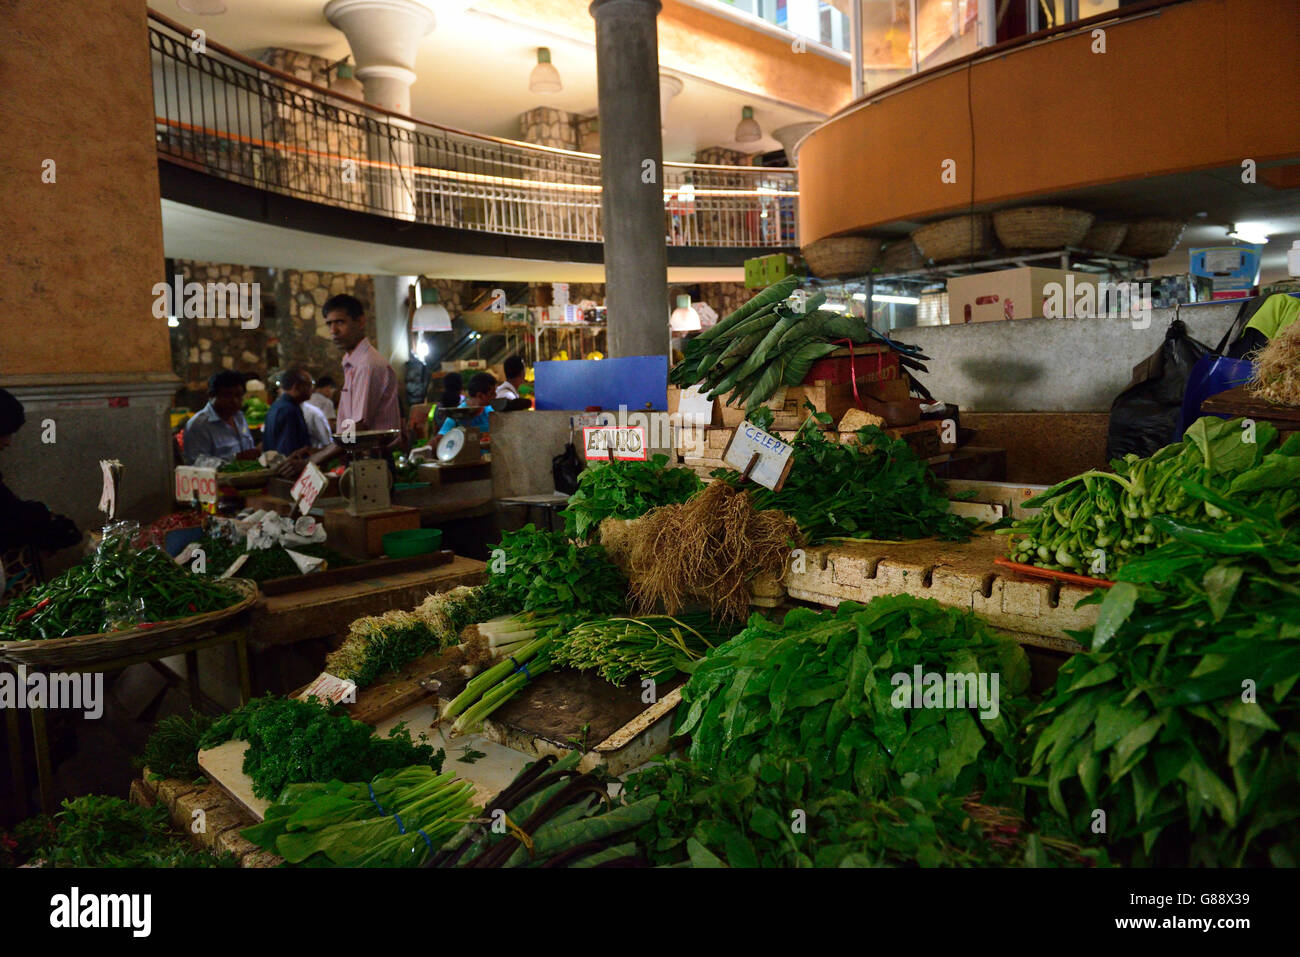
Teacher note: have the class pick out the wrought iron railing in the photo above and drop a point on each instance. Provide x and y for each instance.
(226, 115)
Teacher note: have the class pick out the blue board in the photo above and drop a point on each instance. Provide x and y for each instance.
(575, 384)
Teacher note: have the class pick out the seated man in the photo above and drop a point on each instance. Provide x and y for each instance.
(218, 429)
(27, 523)
(515, 377)
(318, 424)
(285, 429)
(322, 396)
(480, 395)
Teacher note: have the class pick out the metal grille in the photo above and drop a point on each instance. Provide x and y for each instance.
(218, 114)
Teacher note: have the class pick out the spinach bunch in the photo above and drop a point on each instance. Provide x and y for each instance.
(1181, 723)
(293, 742)
(625, 490)
(837, 687)
(545, 570)
(877, 488)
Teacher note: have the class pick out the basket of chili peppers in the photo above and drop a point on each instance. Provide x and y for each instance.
(118, 601)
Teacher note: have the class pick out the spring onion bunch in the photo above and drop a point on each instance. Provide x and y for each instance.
(654, 646)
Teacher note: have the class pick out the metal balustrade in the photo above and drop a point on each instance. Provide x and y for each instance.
(223, 114)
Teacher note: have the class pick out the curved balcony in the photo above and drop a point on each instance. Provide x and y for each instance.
(1129, 113)
(226, 125)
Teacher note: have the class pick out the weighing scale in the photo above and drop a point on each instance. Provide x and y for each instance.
(367, 480)
(460, 445)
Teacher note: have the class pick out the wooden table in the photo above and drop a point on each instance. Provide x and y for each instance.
(1239, 402)
(327, 612)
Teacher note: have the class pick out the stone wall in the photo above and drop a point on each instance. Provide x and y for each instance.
(206, 344)
(547, 126)
(563, 214)
(302, 337)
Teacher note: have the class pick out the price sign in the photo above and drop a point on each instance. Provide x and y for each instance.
(193, 482)
(310, 484)
(327, 687)
(627, 442)
(758, 456)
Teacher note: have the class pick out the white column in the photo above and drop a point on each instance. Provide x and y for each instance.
(384, 36)
(789, 136)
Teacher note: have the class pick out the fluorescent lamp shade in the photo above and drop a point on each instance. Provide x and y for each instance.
(544, 78)
(684, 318)
(204, 7)
(346, 83)
(747, 130)
(431, 317)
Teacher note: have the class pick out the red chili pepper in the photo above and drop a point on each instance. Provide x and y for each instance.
(192, 607)
(33, 610)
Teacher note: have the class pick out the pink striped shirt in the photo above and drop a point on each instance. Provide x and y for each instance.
(369, 394)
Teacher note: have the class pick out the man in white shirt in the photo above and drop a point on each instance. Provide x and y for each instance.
(318, 424)
(514, 370)
(323, 396)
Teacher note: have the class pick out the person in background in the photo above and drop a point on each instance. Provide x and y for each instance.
(218, 429)
(318, 424)
(482, 393)
(369, 398)
(451, 397)
(323, 396)
(514, 370)
(26, 522)
(285, 429)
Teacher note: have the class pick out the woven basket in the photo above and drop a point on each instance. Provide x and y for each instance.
(1041, 227)
(1105, 237)
(1152, 238)
(961, 237)
(842, 257)
(80, 650)
(901, 256)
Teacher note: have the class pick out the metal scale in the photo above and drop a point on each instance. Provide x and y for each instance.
(461, 444)
(367, 480)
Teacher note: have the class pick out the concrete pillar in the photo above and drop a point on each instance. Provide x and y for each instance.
(632, 201)
(384, 36)
(789, 136)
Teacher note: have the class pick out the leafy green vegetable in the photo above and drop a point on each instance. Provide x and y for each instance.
(545, 570)
(264, 564)
(292, 741)
(1181, 723)
(625, 490)
(95, 831)
(877, 489)
(837, 687)
(1112, 516)
(172, 750)
(654, 646)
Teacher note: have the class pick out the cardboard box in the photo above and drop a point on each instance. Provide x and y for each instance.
(1022, 293)
(762, 271)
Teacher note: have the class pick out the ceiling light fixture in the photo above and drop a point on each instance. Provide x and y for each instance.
(1249, 232)
(747, 130)
(881, 297)
(684, 318)
(204, 8)
(544, 78)
(345, 80)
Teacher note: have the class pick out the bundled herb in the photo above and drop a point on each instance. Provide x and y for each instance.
(96, 831)
(554, 817)
(116, 588)
(1181, 723)
(380, 644)
(399, 819)
(545, 570)
(294, 742)
(875, 488)
(1096, 521)
(899, 688)
(708, 550)
(625, 490)
(656, 646)
(778, 816)
(172, 751)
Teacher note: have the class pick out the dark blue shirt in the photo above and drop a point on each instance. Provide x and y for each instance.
(285, 428)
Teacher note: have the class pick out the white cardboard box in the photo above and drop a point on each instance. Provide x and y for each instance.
(1012, 294)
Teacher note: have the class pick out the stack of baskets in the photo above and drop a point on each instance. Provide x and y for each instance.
(1105, 237)
(1041, 227)
(842, 257)
(1152, 238)
(961, 237)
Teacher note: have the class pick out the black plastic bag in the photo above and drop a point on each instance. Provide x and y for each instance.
(1144, 417)
(565, 469)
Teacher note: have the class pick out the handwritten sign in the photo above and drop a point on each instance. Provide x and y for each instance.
(695, 406)
(310, 484)
(327, 687)
(765, 458)
(628, 442)
(193, 482)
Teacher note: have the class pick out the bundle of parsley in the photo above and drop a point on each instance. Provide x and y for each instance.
(293, 742)
(875, 488)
